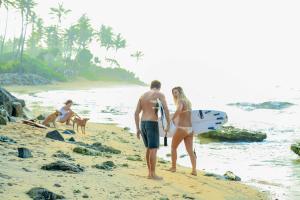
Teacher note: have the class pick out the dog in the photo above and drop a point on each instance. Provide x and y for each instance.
(51, 119)
(80, 122)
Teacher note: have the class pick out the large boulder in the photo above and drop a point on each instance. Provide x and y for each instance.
(296, 148)
(230, 133)
(12, 105)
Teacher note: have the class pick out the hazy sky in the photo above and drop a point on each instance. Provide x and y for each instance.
(195, 42)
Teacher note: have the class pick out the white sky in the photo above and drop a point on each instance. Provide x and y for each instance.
(192, 42)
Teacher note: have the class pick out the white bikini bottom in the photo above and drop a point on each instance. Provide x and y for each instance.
(189, 130)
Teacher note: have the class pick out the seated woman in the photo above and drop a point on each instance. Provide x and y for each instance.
(66, 113)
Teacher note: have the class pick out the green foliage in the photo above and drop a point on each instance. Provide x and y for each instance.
(30, 65)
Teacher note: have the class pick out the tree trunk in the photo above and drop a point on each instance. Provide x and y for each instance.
(23, 42)
(5, 31)
(21, 36)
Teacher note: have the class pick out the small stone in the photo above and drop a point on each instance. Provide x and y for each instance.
(186, 196)
(57, 185)
(108, 165)
(76, 191)
(41, 117)
(63, 166)
(231, 176)
(24, 153)
(134, 158)
(71, 139)
(85, 196)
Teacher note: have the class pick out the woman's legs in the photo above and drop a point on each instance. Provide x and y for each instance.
(177, 138)
(188, 141)
(67, 118)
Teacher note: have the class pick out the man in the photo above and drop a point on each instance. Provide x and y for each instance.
(148, 105)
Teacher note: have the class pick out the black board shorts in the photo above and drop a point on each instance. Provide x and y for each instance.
(150, 134)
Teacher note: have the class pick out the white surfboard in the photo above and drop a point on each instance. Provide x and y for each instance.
(202, 121)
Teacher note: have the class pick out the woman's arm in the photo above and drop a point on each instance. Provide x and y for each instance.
(178, 111)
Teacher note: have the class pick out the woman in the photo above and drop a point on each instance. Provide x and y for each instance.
(184, 131)
(66, 113)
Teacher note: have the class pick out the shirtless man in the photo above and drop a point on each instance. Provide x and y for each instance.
(149, 124)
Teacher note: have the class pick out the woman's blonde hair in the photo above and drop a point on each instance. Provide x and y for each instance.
(182, 98)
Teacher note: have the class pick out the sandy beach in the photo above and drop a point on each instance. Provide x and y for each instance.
(126, 181)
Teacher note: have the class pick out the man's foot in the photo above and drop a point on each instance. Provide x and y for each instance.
(194, 173)
(172, 169)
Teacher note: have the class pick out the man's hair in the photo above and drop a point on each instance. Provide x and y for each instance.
(155, 84)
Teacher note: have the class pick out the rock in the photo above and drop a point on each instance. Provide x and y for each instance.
(231, 176)
(108, 165)
(187, 196)
(7, 140)
(41, 117)
(55, 135)
(3, 121)
(60, 154)
(296, 148)
(38, 193)
(63, 166)
(230, 133)
(103, 148)
(71, 139)
(218, 177)
(85, 196)
(18, 109)
(68, 132)
(126, 129)
(274, 105)
(57, 185)
(11, 104)
(22, 79)
(87, 152)
(24, 153)
(134, 158)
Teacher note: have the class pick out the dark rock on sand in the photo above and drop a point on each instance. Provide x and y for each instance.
(134, 158)
(41, 117)
(63, 166)
(71, 139)
(296, 148)
(273, 105)
(86, 151)
(69, 132)
(7, 140)
(3, 120)
(60, 154)
(105, 149)
(187, 196)
(24, 153)
(95, 149)
(230, 133)
(85, 196)
(231, 176)
(43, 194)
(108, 165)
(55, 135)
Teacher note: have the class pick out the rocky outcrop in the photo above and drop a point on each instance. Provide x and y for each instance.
(10, 106)
(230, 133)
(43, 194)
(296, 148)
(22, 79)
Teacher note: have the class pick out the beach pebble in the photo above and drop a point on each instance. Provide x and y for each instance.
(24, 153)
(55, 135)
(231, 176)
(85, 196)
(108, 166)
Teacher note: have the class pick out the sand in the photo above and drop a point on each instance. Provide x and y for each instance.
(18, 176)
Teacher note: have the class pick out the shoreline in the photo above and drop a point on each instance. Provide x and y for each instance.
(78, 84)
(126, 182)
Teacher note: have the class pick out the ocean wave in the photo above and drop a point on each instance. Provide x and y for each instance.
(273, 105)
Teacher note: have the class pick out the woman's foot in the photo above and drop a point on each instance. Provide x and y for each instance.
(194, 173)
(172, 169)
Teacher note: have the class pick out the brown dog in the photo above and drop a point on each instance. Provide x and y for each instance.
(51, 119)
(80, 122)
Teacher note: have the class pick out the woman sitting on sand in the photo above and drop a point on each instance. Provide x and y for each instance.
(184, 131)
(66, 113)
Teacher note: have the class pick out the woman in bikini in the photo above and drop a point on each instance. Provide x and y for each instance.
(184, 131)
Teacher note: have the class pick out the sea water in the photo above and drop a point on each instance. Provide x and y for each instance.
(269, 165)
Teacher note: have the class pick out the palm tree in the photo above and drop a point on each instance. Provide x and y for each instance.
(85, 32)
(7, 4)
(138, 55)
(59, 13)
(105, 37)
(70, 37)
(119, 42)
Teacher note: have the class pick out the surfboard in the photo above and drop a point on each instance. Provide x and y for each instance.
(203, 121)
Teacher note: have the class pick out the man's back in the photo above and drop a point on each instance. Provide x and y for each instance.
(149, 105)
